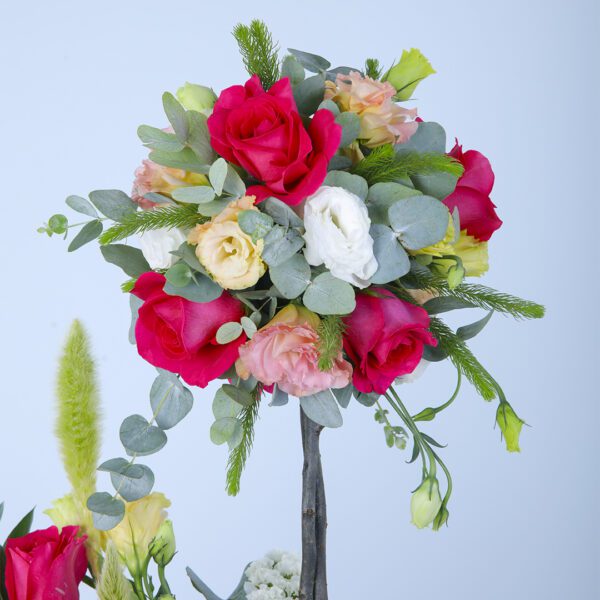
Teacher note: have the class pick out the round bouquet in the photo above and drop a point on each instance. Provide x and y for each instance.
(298, 236)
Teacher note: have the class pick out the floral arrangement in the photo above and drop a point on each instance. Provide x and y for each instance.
(297, 236)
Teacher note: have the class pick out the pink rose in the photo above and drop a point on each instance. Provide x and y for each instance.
(384, 339)
(46, 565)
(264, 133)
(285, 352)
(179, 335)
(472, 195)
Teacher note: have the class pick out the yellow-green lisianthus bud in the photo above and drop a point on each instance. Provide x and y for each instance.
(425, 503)
(510, 425)
(410, 70)
(162, 547)
(197, 97)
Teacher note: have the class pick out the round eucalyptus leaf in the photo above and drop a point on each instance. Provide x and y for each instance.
(322, 408)
(331, 106)
(249, 326)
(223, 406)
(228, 332)
(134, 482)
(238, 394)
(171, 401)
(222, 429)
(255, 223)
(353, 183)
(392, 259)
(291, 277)
(438, 185)
(107, 511)
(217, 175)
(141, 438)
(292, 69)
(281, 245)
(429, 137)
(282, 214)
(383, 195)
(200, 289)
(419, 222)
(179, 275)
(194, 194)
(311, 62)
(58, 224)
(350, 124)
(210, 209)
(233, 184)
(236, 437)
(328, 295)
(309, 93)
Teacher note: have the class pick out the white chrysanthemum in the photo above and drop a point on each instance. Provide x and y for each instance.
(274, 577)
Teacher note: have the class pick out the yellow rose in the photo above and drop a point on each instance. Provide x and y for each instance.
(132, 536)
(228, 254)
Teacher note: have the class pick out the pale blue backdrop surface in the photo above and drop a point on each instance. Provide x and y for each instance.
(516, 80)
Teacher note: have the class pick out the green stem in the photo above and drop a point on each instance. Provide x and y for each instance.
(442, 407)
(163, 580)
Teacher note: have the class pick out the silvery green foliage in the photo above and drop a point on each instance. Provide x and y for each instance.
(328, 295)
(291, 277)
(353, 183)
(107, 510)
(171, 401)
(131, 481)
(227, 406)
(322, 408)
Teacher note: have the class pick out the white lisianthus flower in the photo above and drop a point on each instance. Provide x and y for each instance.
(274, 577)
(337, 234)
(157, 245)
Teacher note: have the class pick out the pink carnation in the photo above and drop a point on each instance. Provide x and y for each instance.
(284, 353)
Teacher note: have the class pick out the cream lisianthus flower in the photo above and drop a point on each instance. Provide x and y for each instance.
(425, 503)
(132, 536)
(228, 254)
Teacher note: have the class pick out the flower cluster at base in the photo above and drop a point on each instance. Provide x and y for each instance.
(300, 235)
(274, 577)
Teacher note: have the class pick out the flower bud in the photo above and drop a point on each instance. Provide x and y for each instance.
(425, 503)
(197, 97)
(412, 68)
(510, 425)
(441, 518)
(162, 547)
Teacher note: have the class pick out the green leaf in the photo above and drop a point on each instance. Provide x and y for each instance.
(353, 183)
(223, 406)
(282, 214)
(200, 289)
(281, 245)
(438, 185)
(179, 275)
(185, 159)
(292, 69)
(229, 332)
(367, 400)
(279, 397)
(131, 481)
(419, 221)
(135, 304)
(392, 259)
(255, 223)
(343, 395)
(140, 438)
(223, 429)
(187, 253)
(199, 138)
(23, 527)
(177, 116)
(328, 295)
(338, 161)
(350, 124)
(412, 68)
(200, 586)
(383, 195)
(88, 233)
(466, 332)
(332, 107)
(81, 205)
(291, 277)
(311, 62)
(107, 511)
(233, 183)
(309, 93)
(249, 326)
(171, 401)
(58, 224)
(130, 259)
(157, 139)
(210, 209)
(322, 408)
(1, 510)
(429, 137)
(238, 394)
(217, 175)
(114, 204)
(196, 194)
(442, 304)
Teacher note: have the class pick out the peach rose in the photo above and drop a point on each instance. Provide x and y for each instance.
(382, 121)
(285, 352)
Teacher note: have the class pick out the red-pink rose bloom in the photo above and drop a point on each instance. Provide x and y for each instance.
(384, 339)
(180, 336)
(472, 195)
(264, 133)
(46, 565)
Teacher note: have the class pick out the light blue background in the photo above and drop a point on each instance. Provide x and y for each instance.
(516, 80)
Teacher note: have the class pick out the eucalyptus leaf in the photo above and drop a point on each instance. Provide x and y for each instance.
(339, 161)
(393, 261)
(238, 394)
(81, 205)
(107, 511)
(229, 332)
(130, 259)
(224, 406)
(291, 277)
(322, 408)
(237, 436)
(366, 399)
(179, 275)
(281, 245)
(185, 159)
(311, 62)
(350, 124)
(328, 295)
(309, 93)
(434, 354)
(343, 395)
(233, 184)
(158, 198)
(438, 185)
(135, 304)
(88, 233)
(177, 116)
(429, 137)
(171, 401)
(278, 397)
(217, 175)
(255, 223)
(200, 289)
(200, 586)
(199, 138)
(195, 194)
(131, 481)
(210, 209)
(249, 326)
(442, 304)
(353, 183)
(332, 107)
(383, 195)
(157, 139)
(292, 69)
(466, 332)
(187, 253)
(140, 438)
(419, 221)
(222, 430)
(282, 214)
(114, 204)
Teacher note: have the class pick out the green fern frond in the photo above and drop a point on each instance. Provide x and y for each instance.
(77, 424)
(330, 332)
(168, 217)
(384, 164)
(259, 51)
(239, 455)
(112, 584)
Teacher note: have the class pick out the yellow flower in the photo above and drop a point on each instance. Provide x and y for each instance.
(510, 424)
(229, 255)
(132, 536)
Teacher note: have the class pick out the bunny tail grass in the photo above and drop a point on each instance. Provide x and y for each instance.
(112, 584)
